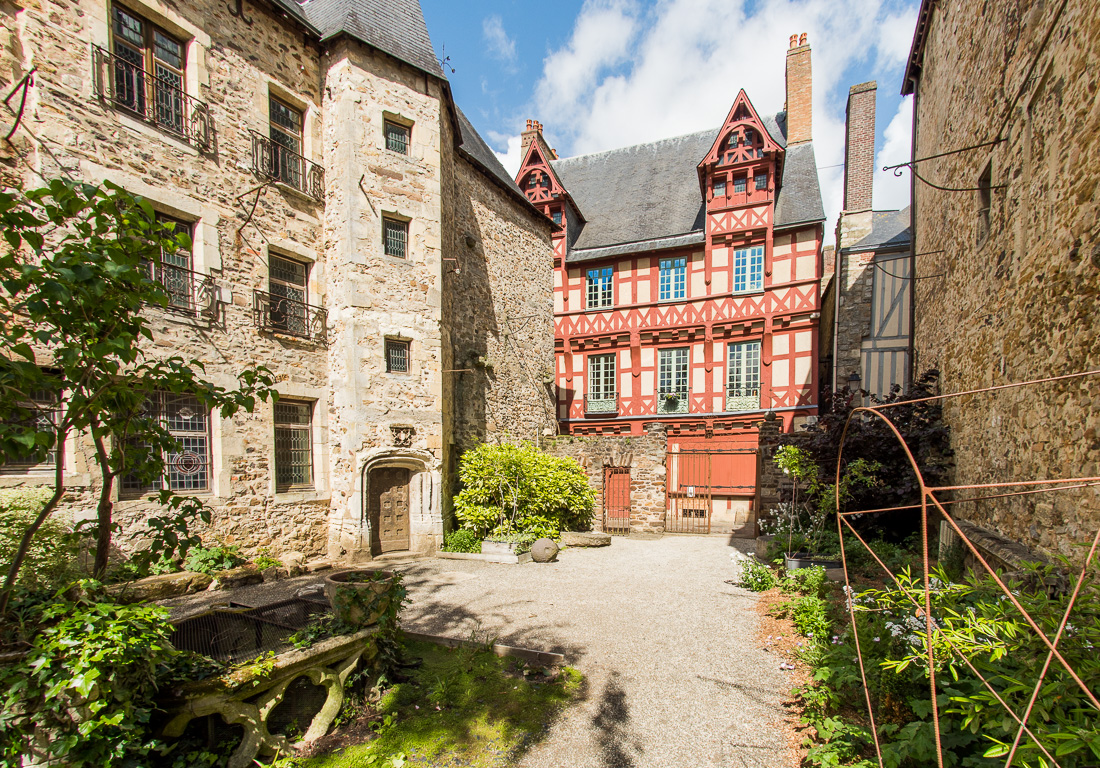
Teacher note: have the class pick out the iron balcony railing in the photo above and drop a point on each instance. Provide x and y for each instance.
(601, 405)
(273, 161)
(289, 316)
(672, 402)
(187, 291)
(153, 99)
(743, 398)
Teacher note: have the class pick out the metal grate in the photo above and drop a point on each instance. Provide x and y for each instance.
(293, 445)
(241, 632)
(616, 500)
(397, 138)
(395, 235)
(397, 356)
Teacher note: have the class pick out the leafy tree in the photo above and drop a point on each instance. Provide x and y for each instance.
(76, 279)
(520, 488)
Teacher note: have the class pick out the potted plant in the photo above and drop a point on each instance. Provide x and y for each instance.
(359, 597)
(805, 518)
(672, 400)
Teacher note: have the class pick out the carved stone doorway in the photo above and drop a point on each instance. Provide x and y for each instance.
(388, 506)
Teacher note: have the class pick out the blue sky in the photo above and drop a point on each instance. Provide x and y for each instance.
(601, 74)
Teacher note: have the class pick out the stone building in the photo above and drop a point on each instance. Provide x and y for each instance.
(351, 231)
(866, 303)
(1007, 237)
(686, 276)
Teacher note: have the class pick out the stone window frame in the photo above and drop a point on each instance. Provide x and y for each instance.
(395, 343)
(48, 412)
(391, 218)
(161, 402)
(320, 490)
(400, 121)
(195, 40)
(291, 427)
(311, 120)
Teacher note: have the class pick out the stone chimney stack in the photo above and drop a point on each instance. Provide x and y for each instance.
(533, 132)
(799, 92)
(859, 147)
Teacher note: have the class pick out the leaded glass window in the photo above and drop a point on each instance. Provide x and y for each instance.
(293, 445)
(761, 180)
(395, 238)
(743, 377)
(397, 137)
(720, 187)
(673, 279)
(43, 409)
(288, 284)
(143, 49)
(600, 286)
(187, 465)
(748, 269)
(740, 183)
(285, 130)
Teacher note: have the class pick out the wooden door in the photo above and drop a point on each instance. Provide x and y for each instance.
(389, 509)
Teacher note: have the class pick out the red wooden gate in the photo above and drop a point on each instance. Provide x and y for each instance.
(688, 492)
(616, 499)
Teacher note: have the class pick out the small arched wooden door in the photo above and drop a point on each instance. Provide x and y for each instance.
(388, 505)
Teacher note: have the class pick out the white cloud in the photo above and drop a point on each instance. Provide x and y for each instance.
(895, 37)
(628, 76)
(511, 158)
(890, 191)
(500, 45)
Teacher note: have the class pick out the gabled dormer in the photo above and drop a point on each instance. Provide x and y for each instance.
(541, 184)
(741, 166)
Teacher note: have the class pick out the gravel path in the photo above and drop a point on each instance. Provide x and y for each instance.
(666, 644)
(664, 640)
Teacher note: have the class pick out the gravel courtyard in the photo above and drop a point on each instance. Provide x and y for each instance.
(665, 642)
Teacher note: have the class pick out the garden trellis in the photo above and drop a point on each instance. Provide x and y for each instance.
(929, 497)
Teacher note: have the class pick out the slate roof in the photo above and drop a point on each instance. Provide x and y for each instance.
(646, 197)
(394, 26)
(889, 229)
(474, 147)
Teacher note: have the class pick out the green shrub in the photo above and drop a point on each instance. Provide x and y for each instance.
(462, 540)
(805, 581)
(213, 559)
(756, 577)
(522, 488)
(88, 680)
(263, 562)
(53, 559)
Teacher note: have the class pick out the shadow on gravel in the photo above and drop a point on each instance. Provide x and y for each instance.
(610, 722)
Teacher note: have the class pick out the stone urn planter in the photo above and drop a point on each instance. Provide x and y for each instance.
(355, 595)
(807, 560)
(498, 547)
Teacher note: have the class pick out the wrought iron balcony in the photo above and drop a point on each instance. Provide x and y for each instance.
(156, 100)
(273, 161)
(606, 404)
(672, 402)
(743, 399)
(289, 316)
(188, 291)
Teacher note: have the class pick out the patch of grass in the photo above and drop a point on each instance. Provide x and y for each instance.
(461, 707)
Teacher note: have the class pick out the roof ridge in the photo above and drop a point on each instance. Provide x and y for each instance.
(636, 146)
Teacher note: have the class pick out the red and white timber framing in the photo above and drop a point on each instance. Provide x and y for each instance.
(783, 316)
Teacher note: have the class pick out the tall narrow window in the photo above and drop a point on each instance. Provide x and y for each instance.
(148, 70)
(985, 202)
(397, 137)
(287, 282)
(187, 466)
(175, 269)
(556, 217)
(673, 279)
(397, 356)
(600, 287)
(743, 377)
(293, 445)
(602, 396)
(285, 130)
(43, 412)
(748, 269)
(672, 380)
(395, 238)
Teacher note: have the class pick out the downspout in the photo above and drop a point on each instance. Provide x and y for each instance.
(912, 288)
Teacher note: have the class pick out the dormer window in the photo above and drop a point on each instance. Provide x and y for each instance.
(720, 187)
(740, 184)
(556, 216)
(741, 145)
(761, 180)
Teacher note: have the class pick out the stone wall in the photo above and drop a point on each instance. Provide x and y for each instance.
(364, 417)
(644, 454)
(1021, 284)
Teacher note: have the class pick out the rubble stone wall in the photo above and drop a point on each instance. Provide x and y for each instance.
(1021, 284)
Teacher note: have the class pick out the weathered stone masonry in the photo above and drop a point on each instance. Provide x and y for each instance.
(345, 89)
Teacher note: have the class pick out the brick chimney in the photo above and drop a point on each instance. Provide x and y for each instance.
(799, 92)
(859, 147)
(533, 131)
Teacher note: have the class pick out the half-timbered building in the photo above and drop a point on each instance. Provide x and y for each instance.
(687, 289)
